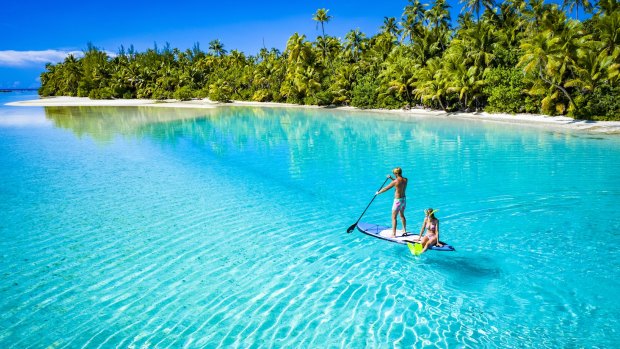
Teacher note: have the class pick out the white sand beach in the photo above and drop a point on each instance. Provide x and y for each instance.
(87, 102)
(561, 122)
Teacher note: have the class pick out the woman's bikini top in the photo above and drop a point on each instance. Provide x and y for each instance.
(430, 225)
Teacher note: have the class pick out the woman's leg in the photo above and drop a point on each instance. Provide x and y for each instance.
(423, 241)
(429, 242)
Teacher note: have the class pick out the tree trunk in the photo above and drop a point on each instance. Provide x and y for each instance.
(540, 72)
(441, 104)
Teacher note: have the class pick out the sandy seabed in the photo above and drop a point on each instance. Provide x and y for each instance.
(562, 122)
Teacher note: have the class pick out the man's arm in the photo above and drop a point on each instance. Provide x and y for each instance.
(386, 188)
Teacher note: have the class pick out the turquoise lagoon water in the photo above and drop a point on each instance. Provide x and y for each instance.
(150, 227)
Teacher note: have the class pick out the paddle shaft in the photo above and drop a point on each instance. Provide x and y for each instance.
(373, 199)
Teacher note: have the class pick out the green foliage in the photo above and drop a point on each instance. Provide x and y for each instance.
(388, 101)
(262, 96)
(161, 94)
(505, 90)
(365, 93)
(220, 91)
(509, 57)
(184, 93)
(504, 99)
(324, 98)
(45, 91)
(505, 57)
(602, 104)
(397, 78)
(83, 91)
(202, 93)
(100, 93)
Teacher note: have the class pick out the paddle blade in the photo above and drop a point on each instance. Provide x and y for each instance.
(351, 228)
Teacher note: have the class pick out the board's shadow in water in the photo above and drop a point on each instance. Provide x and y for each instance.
(467, 271)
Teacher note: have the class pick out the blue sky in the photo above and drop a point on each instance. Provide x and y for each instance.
(35, 32)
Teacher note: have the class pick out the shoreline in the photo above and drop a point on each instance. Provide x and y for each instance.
(563, 122)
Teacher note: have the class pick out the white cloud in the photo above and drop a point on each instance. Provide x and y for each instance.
(12, 58)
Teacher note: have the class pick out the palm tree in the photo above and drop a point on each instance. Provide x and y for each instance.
(593, 69)
(413, 16)
(439, 15)
(296, 48)
(439, 18)
(299, 56)
(607, 7)
(607, 25)
(220, 91)
(476, 5)
(196, 52)
(432, 87)
(398, 74)
(477, 45)
(510, 23)
(537, 13)
(307, 81)
(332, 47)
(263, 53)
(465, 81)
(344, 81)
(94, 67)
(217, 48)
(465, 21)
(542, 57)
(72, 75)
(390, 26)
(322, 17)
(380, 47)
(570, 4)
(354, 43)
(237, 58)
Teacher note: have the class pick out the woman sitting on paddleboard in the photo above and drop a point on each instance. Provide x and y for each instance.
(431, 225)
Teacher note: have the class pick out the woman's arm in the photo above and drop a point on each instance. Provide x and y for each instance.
(422, 229)
(437, 243)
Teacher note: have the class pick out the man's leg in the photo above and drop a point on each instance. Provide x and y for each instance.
(394, 213)
(404, 220)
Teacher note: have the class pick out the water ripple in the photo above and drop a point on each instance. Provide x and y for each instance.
(228, 230)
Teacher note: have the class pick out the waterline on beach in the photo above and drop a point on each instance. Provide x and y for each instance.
(557, 122)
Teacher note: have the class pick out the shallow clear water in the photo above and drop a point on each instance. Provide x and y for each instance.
(153, 227)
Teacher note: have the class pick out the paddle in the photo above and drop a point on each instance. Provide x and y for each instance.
(350, 230)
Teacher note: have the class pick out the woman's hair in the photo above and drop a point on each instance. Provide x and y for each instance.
(430, 213)
(397, 171)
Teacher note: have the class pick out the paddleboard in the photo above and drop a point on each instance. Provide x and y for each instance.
(385, 233)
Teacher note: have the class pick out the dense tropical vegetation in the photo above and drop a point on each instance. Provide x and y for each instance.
(515, 56)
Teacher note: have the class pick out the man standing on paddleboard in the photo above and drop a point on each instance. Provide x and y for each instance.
(400, 201)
